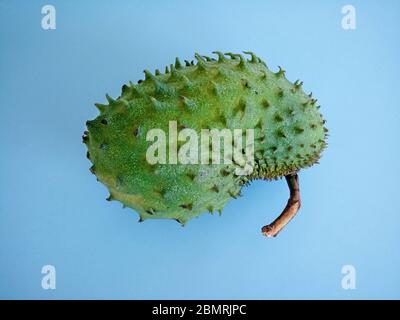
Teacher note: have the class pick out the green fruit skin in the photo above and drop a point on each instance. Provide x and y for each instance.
(233, 93)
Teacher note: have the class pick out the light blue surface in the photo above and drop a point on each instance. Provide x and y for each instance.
(53, 211)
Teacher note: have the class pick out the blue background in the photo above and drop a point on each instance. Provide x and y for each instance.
(53, 211)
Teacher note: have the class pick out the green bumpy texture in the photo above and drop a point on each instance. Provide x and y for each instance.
(229, 92)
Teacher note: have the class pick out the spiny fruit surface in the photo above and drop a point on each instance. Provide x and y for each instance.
(229, 92)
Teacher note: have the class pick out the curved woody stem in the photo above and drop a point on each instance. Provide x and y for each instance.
(293, 205)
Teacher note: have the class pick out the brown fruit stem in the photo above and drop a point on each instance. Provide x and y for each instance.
(293, 205)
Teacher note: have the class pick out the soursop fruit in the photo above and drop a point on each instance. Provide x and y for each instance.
(229, 92)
